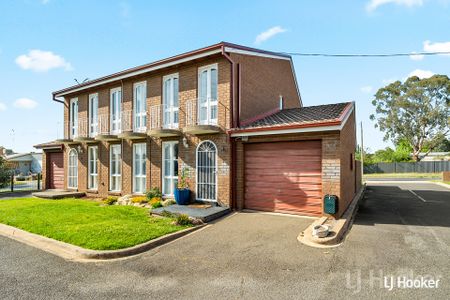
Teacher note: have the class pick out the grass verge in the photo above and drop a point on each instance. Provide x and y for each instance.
(85, 223)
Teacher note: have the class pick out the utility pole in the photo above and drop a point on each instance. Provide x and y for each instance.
(362, 151)
(13, 138)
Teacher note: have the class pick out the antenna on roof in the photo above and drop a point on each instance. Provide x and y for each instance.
(76, 80)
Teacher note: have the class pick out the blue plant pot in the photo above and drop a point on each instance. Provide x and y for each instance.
(182, 196)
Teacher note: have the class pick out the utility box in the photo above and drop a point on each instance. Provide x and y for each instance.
(330, 203)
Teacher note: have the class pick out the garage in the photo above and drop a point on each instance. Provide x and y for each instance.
(284, 177)
(55, 167)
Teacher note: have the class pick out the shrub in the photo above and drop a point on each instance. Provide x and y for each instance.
(5, 173)
(183, 184)
(182, 220)
(110, 200)
(153, 193)
(139, 199)
(155, 202)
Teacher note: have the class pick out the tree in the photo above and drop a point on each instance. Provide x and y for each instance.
(443, 146)
(5, 173)
(401, 153)
(416, 111)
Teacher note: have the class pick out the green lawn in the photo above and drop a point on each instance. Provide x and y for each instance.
(403, 175)
(85, 223)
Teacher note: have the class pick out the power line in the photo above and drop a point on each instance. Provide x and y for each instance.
(368, 55)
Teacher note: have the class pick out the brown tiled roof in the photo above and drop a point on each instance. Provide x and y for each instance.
(303, 115)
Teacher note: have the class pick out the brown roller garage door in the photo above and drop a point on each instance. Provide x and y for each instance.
(284, 177)
(55, 165)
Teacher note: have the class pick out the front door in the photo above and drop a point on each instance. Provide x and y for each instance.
(55, 169)
(207, 171)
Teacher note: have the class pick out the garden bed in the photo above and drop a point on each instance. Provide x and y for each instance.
(86, 223)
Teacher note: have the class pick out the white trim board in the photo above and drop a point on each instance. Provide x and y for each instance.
(256, 53)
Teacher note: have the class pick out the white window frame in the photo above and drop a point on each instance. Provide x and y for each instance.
(140, 116)
(210, 102)
(118, 166)
(93, 171)
(72, 172)
(198, 173)
(173, 178)
(93, 115)
(73, 118)
(116, 116)
(142, 175)
(169, 108)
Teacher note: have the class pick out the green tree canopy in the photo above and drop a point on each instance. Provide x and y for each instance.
(415, 111)
(4, 172)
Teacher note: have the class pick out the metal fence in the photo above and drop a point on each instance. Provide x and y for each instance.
(408, 167)
(18, 183)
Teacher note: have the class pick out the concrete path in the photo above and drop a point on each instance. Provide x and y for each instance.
(257, 256)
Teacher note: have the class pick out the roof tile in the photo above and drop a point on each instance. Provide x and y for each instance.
(302, 115)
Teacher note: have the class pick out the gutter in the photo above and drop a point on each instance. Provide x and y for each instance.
(57, 100)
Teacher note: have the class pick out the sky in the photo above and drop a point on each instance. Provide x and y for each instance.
(46, 44)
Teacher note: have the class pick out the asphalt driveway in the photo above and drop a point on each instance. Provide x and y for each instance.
(250, 255)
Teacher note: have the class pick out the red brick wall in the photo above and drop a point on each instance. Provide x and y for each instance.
(44, 171)
(347, 156)
(358, 178)
(262, 81)
(188, 82)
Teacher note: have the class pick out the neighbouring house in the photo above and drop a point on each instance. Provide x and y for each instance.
(25, 163)
(5, 152)
(230, 116)
(435, 156)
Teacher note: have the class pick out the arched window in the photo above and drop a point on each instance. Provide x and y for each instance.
(207, 171)
(72, 181)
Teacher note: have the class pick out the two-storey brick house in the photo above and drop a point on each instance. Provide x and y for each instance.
(229, 116)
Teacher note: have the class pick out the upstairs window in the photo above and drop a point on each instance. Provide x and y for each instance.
(170, 101)
(93, 115)
(116, 111)
(207, 95)
(73, 118)
(140, 106)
